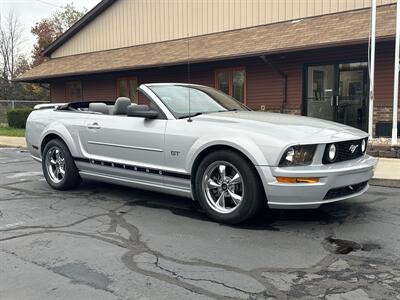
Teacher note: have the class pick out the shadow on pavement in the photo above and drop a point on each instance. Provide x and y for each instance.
(266, 220)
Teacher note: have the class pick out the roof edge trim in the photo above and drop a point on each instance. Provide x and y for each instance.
(34, 79)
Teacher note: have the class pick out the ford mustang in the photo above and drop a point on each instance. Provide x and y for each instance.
(197, 142)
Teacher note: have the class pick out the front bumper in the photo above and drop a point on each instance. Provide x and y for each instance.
(312, 195)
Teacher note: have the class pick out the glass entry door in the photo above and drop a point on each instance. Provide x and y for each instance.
(338, 92)
(352, 98)
(320, 92)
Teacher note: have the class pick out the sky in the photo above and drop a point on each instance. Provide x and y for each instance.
(32, 11)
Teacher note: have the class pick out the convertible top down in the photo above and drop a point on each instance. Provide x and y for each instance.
(195, 141)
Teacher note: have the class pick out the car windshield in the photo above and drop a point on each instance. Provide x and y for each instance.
(202, 100)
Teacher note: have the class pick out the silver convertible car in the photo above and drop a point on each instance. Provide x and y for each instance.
(194, 141)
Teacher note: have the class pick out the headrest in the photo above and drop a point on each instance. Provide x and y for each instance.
(138, 107)
(121, 105)
(98, 107)
(110, 108)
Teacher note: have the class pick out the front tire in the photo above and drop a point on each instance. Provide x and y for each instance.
(228, 187)
(58, 166)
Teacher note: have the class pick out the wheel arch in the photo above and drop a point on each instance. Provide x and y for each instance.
(47, 138)
(204, 152)
(57, 130)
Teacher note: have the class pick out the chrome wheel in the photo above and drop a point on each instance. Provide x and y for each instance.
(55, 164)
(223, 187)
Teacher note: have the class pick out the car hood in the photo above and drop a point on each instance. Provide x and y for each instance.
(291, 128)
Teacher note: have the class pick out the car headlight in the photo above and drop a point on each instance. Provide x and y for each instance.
(298, 156)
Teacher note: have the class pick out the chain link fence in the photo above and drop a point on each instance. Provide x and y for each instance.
(6, 105)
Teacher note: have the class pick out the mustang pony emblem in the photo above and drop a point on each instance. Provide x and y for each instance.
(353, 148)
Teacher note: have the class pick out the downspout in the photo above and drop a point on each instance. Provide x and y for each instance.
(284, 78)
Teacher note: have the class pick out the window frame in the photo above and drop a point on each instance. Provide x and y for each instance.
(67, 83)
(230, 73)
(128, 78)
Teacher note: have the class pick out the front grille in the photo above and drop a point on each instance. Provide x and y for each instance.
(344, 151)
(345, 190)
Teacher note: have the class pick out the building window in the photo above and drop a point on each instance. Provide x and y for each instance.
(73, 91)
(232, 81)
(127, 87)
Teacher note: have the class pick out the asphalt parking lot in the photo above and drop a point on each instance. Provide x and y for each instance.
(109, 242)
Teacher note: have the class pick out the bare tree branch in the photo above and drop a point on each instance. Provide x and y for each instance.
(11, 38)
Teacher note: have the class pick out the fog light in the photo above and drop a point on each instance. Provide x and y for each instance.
(363, 146)
(332, 152)
(297, 179)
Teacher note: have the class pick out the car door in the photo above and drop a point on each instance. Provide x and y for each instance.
(125, 146)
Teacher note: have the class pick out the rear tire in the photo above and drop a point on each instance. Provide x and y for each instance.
(228, 187)
(58, 166)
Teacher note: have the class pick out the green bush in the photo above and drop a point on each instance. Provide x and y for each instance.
(17, 117)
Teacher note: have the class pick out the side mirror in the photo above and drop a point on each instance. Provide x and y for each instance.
(141, 111)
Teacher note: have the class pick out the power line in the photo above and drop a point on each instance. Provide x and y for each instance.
(49, 3)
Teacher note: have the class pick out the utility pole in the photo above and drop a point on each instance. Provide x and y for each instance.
(372, 69)
(396, 77)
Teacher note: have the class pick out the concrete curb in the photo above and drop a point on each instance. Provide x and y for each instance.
(387, 173)
(13, 146)
(392, 183)
(14, 142)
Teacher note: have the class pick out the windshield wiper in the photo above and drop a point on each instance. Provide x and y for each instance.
(225, 110)
(190, 116)
(208, 112)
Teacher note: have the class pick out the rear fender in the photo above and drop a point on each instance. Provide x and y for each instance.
(61, 131)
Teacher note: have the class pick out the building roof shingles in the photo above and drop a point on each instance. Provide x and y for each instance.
(317, 32)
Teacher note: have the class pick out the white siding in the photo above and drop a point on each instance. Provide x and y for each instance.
(135, 22)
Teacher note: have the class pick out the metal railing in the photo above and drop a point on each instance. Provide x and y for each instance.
(6, 105)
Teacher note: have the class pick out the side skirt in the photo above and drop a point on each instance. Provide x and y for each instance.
(135, 183)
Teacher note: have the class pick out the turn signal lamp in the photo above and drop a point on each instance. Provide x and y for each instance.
(297, 179)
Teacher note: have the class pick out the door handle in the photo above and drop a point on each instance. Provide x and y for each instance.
(94, 125)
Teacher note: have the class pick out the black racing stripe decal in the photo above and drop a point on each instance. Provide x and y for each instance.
(81, 159)
(133, 168)
(178, 175)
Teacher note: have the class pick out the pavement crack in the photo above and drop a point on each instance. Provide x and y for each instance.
(176, 279)
(118, 223)
(177, 275)
(52, 227)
